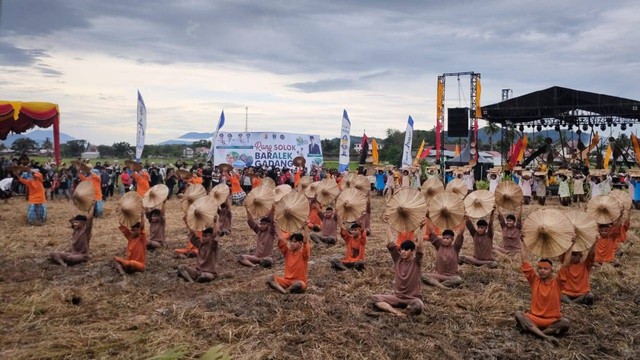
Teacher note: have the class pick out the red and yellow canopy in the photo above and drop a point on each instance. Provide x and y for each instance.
(18, 117)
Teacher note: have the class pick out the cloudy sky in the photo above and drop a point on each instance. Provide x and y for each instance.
(297, 64)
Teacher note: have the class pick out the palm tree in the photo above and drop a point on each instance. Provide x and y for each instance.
(491, 130)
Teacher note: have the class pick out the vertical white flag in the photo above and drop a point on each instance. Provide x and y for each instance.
(215, 136)
(345, 142)
(141, 124)
(408, 139)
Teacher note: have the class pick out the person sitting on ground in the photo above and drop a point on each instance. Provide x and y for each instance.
(446, 274)
(511, 238)
(157, 224)
(544, 318)
(482, 243)
(265, 234)
(37, 209)
(224, 218)
(407, 264)
(329, 230)
(82, 226)
(609, 237)
(296, 251)
(574, 274)
(315, 219)
(206, 259)
(356, 240)
(190, 250)
(136, 248)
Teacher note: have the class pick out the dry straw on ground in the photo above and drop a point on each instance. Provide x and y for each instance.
(87, 311)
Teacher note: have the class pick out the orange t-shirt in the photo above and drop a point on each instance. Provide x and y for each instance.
(314, 217)
(355, 246)
(142, 183)
(606, 247)
(255, 182)
(136, 247)
(295, 262)
(576, 277)
(195, 180)
(235, 184)
(97, 184)
(545, 297)
(36, 189)
(296, 178)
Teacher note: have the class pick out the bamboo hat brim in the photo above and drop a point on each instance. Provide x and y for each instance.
(220, 193)
(280, 191)
(446, 210)
(202, 213)
(292, 212)
(431, 187)
(351, 204)
(83, 196)
(310, 190)
(155, 196)
(479, 203)
(604, 209)
(623, 197)
(193, 193)
(508, 195)
(130, 209)
(268, 183)
(327, 191)
(225, 167)
(585, 228)
(458, 187)
(299, 161)
(183, 174)
(260, 201)
(547, 232)
(304, 182)
(406, 209)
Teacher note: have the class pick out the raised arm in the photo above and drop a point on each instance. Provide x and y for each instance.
(470, 227)
(91, 209)
(142, 213)
(524, 254)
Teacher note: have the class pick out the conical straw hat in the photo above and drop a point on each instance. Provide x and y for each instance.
(292, 212)
(130, 209)
(446, 210)
(280, 191)
(350, 204)
(304, 182)
(310, 190)
(193, 193)
(431, 187)
(585, 228)
(137, 167)
(260, 201)
(183, 174)
(225, 167)
(268, 182)
(155, 196)
(202, 213)
(547, 232)
(83, 196)
(85, 168)
(406, 209)
(479, 203)
(347, 180)
(220, 193)
(604, 209)
(327, 191)
(508, 195)
(361, 183)
(622, 197)
(129, 163)
(299, 161)
(458, 187)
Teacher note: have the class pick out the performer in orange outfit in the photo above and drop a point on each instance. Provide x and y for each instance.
(355, 239)
(37, 210)
(315, 222)
(136, 248)
(296, 251)
(544, 319)
(142, 181)
(610, 236)
(97, 190)
(237, 194)
(575, 276)
(190, 251)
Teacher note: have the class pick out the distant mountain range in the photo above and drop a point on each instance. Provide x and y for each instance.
(37, 135)
(188, 138)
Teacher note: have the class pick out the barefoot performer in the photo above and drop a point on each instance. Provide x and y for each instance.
(296, 250)
(206, 259)
(355, 239)
(265, 234)
(157, 224)
(82, 226)
(447, 252)
(511, 237)
(575, 274)
(482, 243)
(136, 248)
(329, 229)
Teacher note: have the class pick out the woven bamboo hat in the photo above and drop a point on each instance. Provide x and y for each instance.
(431, 187)
(347, 179)
(129, 163)
(268, 182)
(479, 203)
(458, 187)
(280, 191)
(155, 196)
(83, 196)
(292, 211)
(406, 209)
(547, 232)
(193, 193)
(446, 210)
(130, 209)
(310, 191)
(225, 167)
(604, 209)
(299, 161)
(304, 182)
(220, 193)
(623, 197)
(350, 204)
(540, 173)
(361, 183)
(183, 174)
(260, 201)
(202, 213)
(137, 167)
(18, 169)
(508, 195)
(327, 191)
(585, 228)
(85, 168)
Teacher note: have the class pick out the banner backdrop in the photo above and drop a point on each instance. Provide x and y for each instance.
(408, 139)
(275, 149)
(141, 126)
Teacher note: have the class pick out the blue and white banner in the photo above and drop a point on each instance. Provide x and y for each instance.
(345, 142)
(141, 124)
(408, 139)
(215, 136)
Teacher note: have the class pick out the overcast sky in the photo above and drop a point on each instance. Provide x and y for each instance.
(297, 64)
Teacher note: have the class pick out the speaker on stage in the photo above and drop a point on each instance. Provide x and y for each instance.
(458, 122)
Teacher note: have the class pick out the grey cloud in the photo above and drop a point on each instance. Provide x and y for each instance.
(324, 85)
(11, 55)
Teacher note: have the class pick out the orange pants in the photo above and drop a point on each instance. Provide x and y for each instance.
(190, 249)
(130, 265)
(541, 323)
(286, 283)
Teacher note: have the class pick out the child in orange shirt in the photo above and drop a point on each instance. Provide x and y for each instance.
(609, 237)
(237, 194)
(575, 276)
(355, 239)
(296, 251)
(136, 248)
